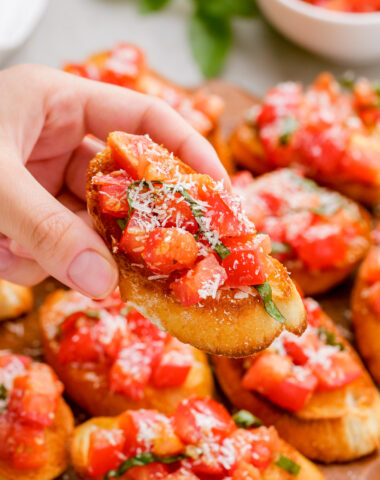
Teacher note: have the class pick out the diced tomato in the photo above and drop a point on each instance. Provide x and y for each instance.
(174, 365)
(123, 65)
(118, 177)
(371, 266)
(196, 418)
(374, 298)
(313, 311)
(170, 249)
(181, 474)
(274, 377)
(246, 263)
(255, 447)
(144, 328)
(217, 460)
(112, 333)
(246, 471)
(125, 152)
(321, 246)
(341, 369)
(8, 359)
(29, 450)
(105, 450)
(361, 162)
(5, 436)
(153, 471)
(211, 105)
(242, 179)
(35, 395)
(297, 347)
(174, 211)
(135, 235)
(81, 70)
(131, 371)
(113, 200)
(200, 282)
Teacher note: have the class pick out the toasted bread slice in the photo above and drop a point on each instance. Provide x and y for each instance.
(88, 385)
(228, 325)
(58, 436)
(80, 444)
(365, 321)
(14, 300)
(335, 426)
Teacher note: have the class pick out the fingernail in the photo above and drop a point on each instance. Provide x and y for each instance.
(6, 259)
(93, 274)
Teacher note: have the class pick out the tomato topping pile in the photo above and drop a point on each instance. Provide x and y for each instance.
(29, 394)
(200, 440)
(184, 227)
(353, 6)
(370, 275)
(295, 367)
(305, 222)
(326, 130)
(134, 352)
(125, 65)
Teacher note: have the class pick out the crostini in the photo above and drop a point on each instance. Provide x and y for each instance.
(189, 259)
(365, 308)
(125, 65)
(35, 422)
(110, 358)
(201, 440)
(328, 131)
(319, 235)
(15, 300)
(313, 389)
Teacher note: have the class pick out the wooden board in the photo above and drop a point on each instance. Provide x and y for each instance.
(22, 336)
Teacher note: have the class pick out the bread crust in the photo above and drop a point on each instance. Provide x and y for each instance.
(366, 324)
(14, 300)
(227, 326)
(88, 386)
(79, 449)
(336, 426)
(58, 437)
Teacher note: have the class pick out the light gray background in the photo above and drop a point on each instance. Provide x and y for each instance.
(73, 29)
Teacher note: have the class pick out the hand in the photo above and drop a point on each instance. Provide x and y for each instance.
(44, 117)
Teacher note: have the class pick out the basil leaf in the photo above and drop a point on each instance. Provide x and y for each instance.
(228, 8)
(140, 460)
(288, 465)
(329, 337)
(122, 223)
(280, 247)
(210, 41)
(3, 392)
(92, 313)
(288, 127)
(148, 6)
(245, 419)
(265, 292)
(347, 80)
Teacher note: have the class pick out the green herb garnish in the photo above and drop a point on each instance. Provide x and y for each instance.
(122, 222)
(288, 127)
(280, 247)
(245, 419)
(265, 292)
(196, 210)
(288, 465)
(3, 392)
(92, 313)
(140, 460)
(347, 80)
(329, 337)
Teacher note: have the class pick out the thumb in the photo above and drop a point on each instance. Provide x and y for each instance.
(61, 242)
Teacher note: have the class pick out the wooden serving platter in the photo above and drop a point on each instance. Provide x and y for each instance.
(22, 335)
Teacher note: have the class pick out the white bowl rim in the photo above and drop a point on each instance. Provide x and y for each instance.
(330, 16)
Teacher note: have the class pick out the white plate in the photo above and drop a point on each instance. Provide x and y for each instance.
(349, 38)
(17, 21)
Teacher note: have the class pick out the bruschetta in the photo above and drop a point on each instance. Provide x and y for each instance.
(110, 358)
(319, 235)
(201, 440)
(313, 389)
(330, 132)
(365, 308)
(189, 259)
(125, 65)
(35, 422)
(15, 300)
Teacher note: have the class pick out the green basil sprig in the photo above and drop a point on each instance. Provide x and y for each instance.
(288, 127)
(280, 247)
(3, 392)
(265, 292)
(329, 337)
(245, 419)
(288, 465)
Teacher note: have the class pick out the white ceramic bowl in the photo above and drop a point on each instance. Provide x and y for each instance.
(349, 38)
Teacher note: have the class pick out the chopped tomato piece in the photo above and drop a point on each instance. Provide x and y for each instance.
(182, 474)
(174, 211)
(170, 249)
(174, 365)
(112, 333)
(217, 460)
(5, 436)
(29, 450)
(246, 471)
(81, 71)
(297, 347)
(118, 177)
(255, 446)
(246, 263)
(113, 200)
(314, 312)
(274, 377)
(202, 281)
(105, 450)
(123, 65)
(339, 370)
(153, 471)
(135, 235)
(144, 328)
(196, 418)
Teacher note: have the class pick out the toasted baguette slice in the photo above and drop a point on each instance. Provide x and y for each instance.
(365, 321)
(80, 444)
(58, 436)
(88, 385)
(335, 426)
(228, 325)
(14, 300)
